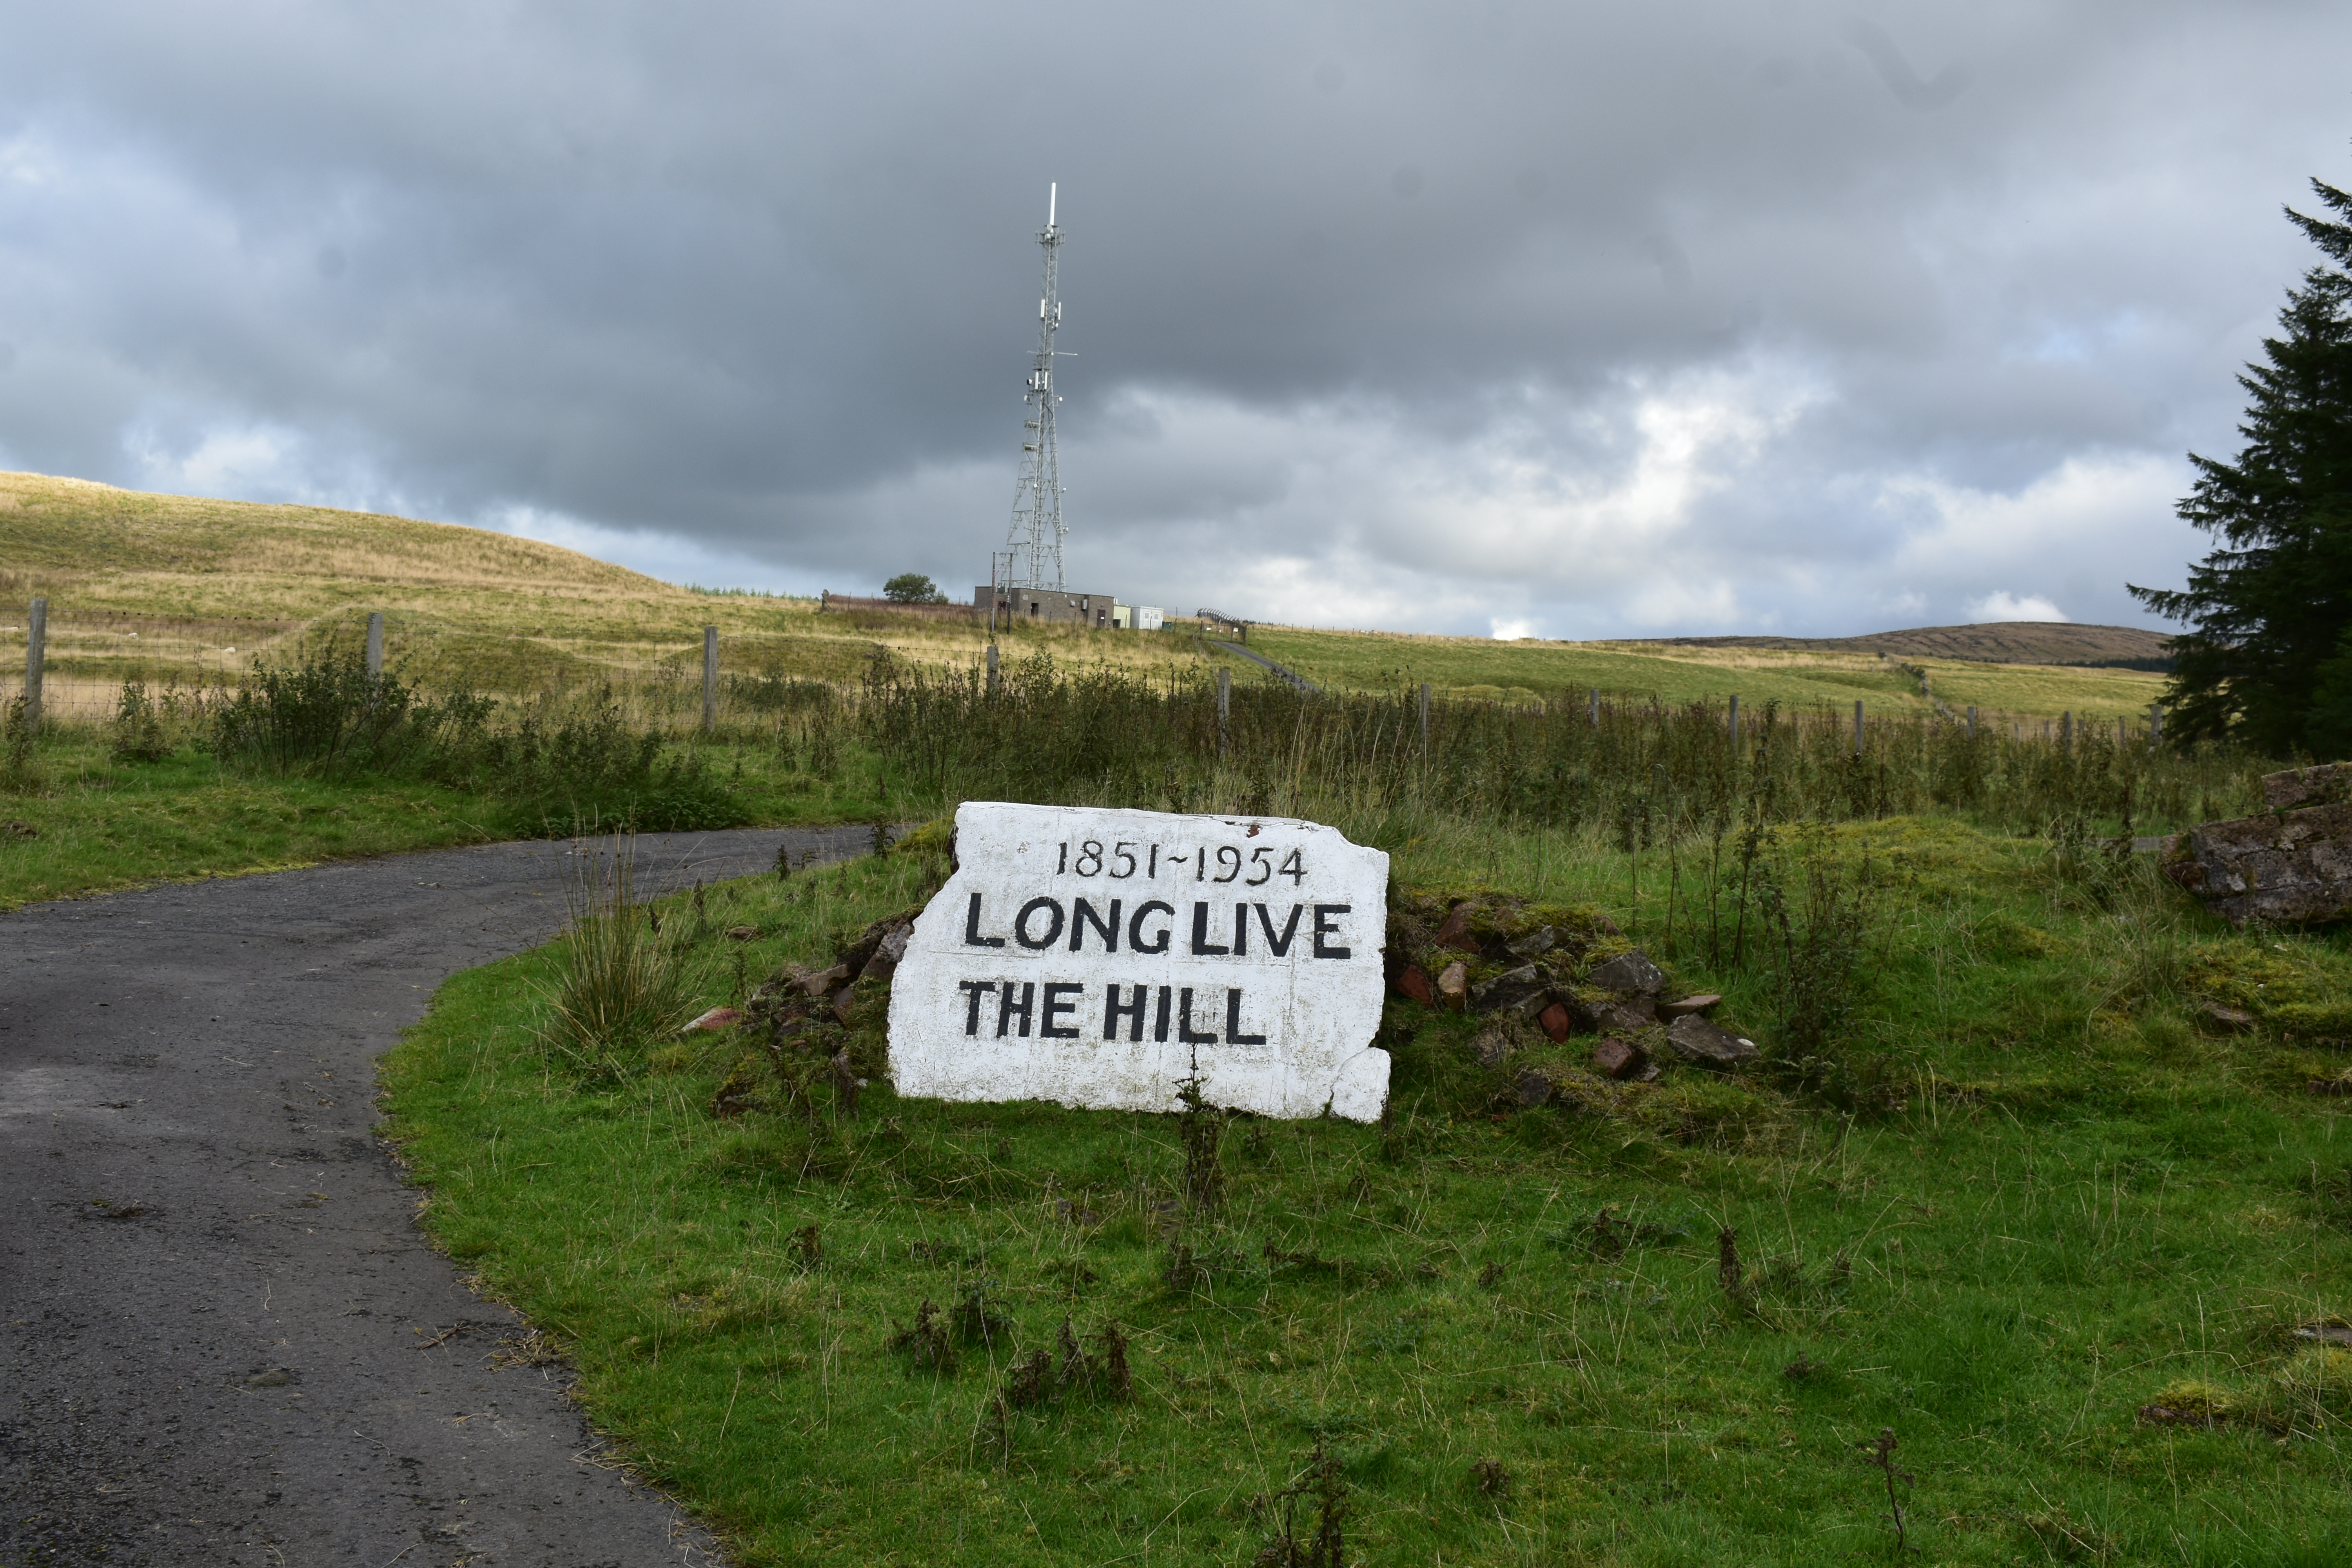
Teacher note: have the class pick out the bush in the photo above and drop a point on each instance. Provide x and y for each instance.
(138, 729)
(325, 715)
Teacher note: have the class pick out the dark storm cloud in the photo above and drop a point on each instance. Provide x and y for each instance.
(1684, 316)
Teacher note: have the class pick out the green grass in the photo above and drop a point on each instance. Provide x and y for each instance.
(1523, 671)
(97, 824)
(2061, 1204)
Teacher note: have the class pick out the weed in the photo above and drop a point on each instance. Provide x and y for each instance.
(977, 1320)
(138, 735)
(1200, 1126)
(1030, 1380)
(807, 1248)
(927, 1341)
(1117, 1381)
(1880, 1452)
(20, 772)
(1327, 1547)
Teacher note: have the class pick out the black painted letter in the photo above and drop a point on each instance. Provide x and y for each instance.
(1202, 946)
(1021, 924)
(1324, 927)
(1007, 1012)
(1184, 1021)
(1113, 1013)
(1055, 1007)
(974, 990)
(1082, 915)
(1135, 928)
(1233, 1036)
(971, 937)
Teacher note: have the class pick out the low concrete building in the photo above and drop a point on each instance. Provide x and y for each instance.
(1041, 605)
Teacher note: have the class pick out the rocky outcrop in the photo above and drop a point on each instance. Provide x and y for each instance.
(2291, 865)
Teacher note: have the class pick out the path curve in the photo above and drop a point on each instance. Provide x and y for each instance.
(213, 1294)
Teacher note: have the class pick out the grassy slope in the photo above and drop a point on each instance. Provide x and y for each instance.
(2085, 1206)
(462, 604)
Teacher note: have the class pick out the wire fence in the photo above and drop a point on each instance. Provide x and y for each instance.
(656, 677)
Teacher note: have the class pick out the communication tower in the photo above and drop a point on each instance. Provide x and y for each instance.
(1033, 556)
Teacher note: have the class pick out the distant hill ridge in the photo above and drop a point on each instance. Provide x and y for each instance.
(1994, 642)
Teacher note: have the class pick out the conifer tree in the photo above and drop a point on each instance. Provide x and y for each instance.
(2267, 655)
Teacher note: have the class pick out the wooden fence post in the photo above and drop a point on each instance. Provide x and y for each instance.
(2155, 725)
(1596, 708)
(1734, 726)
(1857, 726)
(1224, 702)
(2066, 730)
(1425, 714)
(36, 633)
(1972, 722)
(375, 642)
(710, 679)
(992, 676)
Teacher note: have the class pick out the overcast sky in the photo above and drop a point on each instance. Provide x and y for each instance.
(1571, 320)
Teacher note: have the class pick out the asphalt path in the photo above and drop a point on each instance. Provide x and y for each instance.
(225, 1341)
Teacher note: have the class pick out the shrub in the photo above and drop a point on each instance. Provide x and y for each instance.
(138, 734)
(326, 714)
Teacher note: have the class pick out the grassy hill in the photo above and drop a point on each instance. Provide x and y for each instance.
(185, 588)
(1999, 642)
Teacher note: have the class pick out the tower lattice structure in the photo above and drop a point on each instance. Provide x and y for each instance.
(1033, 556)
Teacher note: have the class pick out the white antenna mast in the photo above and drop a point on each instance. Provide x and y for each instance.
(1035, 540)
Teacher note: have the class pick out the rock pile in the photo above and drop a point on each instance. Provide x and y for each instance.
(1566, 971)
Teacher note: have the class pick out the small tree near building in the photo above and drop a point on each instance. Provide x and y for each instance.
(2267, 657)
(913, 588)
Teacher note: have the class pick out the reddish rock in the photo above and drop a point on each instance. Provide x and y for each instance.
(1453, 984)
(1556, 1022)
(1455, 933)
(717, 1018)
(1414, 984)
(1613, 1058)
(1688, 1006)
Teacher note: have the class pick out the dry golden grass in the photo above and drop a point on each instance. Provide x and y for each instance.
(186, 589)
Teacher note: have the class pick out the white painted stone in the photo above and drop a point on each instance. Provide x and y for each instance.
(1016, 946)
